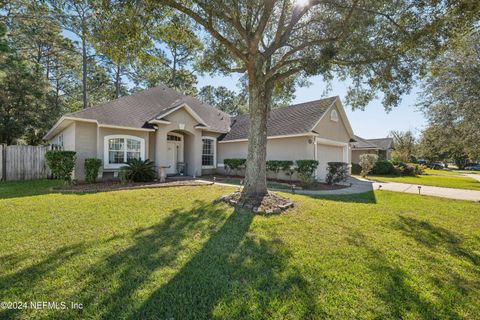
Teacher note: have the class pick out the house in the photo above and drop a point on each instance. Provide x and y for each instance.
(382, 147)
(181, 133)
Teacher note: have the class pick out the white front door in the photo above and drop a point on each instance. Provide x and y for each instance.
(174, 152)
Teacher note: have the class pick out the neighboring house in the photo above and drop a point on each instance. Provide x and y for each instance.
(174, 130)
(382, 147)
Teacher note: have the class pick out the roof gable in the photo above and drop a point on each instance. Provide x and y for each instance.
(292, 120)
(137, 109)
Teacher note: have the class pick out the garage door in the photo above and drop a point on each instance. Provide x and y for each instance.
(325, 154)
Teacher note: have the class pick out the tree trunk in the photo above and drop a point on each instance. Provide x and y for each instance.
(117, 82)
(260, 94)
(84, 73)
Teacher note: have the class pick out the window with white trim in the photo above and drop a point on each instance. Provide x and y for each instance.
(121, 148)
(208, 152)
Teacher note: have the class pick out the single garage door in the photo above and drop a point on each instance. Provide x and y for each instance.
(325, 154)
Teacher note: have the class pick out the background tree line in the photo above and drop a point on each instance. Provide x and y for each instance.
(59, 56)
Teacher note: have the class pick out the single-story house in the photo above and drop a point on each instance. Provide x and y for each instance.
(382, 147)
(181, 133)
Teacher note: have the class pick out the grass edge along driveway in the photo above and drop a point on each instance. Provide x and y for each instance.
(441, 180)
(171, 253)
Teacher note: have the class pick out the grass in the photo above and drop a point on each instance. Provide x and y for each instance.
(441, 180)
(442, 172)
(171, 254)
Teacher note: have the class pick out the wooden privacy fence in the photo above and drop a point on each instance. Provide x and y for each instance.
(23, 162)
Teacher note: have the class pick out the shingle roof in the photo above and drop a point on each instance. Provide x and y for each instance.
(138, 108)
(294, 119)
(382, 143)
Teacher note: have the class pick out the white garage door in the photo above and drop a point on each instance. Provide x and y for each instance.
(325, 154)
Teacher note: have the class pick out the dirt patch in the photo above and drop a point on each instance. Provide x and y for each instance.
(117, 185)
(269, 204)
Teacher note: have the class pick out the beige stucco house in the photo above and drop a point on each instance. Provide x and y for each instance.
(382, 147)
(184, 135)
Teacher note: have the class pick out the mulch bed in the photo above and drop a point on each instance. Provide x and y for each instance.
(286, 183)
(269, 204)
(117, 185)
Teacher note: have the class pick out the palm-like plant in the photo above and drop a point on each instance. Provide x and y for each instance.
(139, 170)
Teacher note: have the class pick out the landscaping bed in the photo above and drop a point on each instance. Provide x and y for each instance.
(118, 185)
(276, 183)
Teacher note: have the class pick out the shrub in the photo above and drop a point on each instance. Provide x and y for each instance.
(337, 172)
(138, 171)
(61, 163)
(406, 169)
(356, 168)
(383, 167)
(367, 162)
(305, 170)
(92, 165)
(233, 164)
(274, 166)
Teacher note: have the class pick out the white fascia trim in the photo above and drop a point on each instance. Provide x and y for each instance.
(125, 128)
(332, 142)
(324, 114)
(189, 110)
(63, 118)
(276, 137)
(362, 149)
(157, 121)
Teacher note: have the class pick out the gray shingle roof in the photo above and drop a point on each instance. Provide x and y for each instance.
(382, 143)
(294, 119)
(138, 108)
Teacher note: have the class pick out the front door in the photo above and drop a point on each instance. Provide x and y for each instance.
(174, 152)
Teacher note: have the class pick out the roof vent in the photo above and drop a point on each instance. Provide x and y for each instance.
(334, 116)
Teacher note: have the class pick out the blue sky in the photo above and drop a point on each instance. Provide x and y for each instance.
(373, 122)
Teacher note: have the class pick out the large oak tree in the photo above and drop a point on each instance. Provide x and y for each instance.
(379, 44)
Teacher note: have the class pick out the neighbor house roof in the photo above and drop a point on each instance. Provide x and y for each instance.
(137, 109)
(295, 119)
(382, 143)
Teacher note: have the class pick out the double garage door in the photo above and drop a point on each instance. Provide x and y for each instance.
(328, 153)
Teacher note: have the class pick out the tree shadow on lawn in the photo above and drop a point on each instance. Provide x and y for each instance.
(397, 287)
(162, 275)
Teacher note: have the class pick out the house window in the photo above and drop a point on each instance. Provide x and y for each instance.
(119, 149)
(208, 152)
(171, 137)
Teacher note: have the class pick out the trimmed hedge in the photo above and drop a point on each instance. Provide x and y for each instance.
(233, 164)
(279, 165)
(337, 172)
(61, 163)
(356, 168)
(305, 170)
(92, 165)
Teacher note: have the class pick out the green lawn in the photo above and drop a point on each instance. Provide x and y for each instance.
(441, 172)
(170, 253)
(441, 180)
